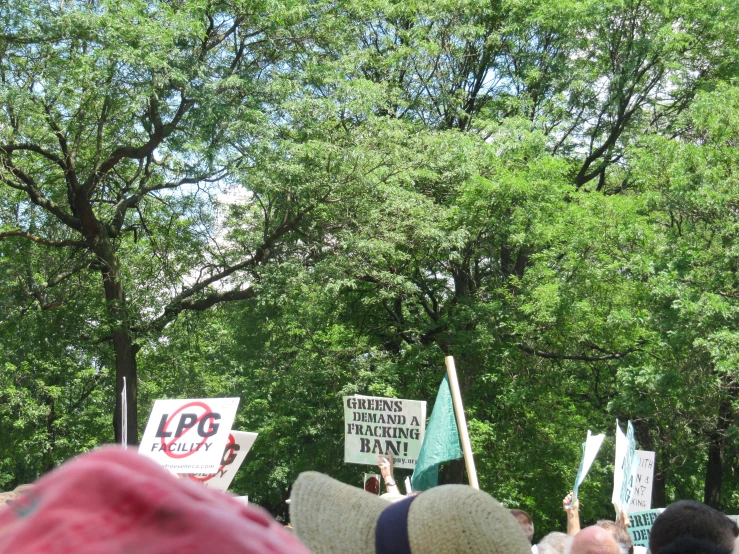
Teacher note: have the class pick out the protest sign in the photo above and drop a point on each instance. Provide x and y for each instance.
(641, 499)
(641, 526)
(625, 467)
(375, 425)
(234, 454)
(589, 451)
(617, 467)
(124, 416)
(189, 436)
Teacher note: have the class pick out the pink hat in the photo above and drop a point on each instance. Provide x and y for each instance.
(114, 500)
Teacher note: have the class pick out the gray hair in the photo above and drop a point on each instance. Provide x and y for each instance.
(554, 543)
(623, 548)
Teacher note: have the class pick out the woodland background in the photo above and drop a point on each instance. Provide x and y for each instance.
(290, 201)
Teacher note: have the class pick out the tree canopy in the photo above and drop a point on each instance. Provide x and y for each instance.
(289, 202)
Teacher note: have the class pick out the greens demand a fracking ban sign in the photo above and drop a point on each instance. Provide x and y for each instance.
(383, 426)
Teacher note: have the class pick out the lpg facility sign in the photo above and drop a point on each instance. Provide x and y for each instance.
(189, 436)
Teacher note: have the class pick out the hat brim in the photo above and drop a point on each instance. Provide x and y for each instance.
(331, 517)
(457, 518)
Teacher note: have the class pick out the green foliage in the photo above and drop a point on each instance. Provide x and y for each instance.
(546, 191)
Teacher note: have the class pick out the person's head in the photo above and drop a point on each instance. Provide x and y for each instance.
(688, 518)
(689, 545)
(619, 533)
(593, 540)
(526, 523)
(331, 517)
(553, 543)
(7, 498)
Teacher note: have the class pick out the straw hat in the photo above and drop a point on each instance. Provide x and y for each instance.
(6, 497)
(334, 518)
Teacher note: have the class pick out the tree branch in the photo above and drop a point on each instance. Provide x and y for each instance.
(10, 148)
(161, 131)
(198, 305)
(42, 240)
(577, 357)
(28, 185)
(123, 205)
(85, 395)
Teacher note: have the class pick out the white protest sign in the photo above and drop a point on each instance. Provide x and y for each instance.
(641, 525)
(618, 462)
(590, 449)
(642, 498)
(625, 468)
(124, 416)
(188, 436)
(234, 454)
(375, 425)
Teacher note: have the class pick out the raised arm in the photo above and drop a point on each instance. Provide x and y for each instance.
(572, 509)
(386, 469)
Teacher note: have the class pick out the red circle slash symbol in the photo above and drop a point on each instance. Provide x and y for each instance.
(203, 477)
(168, 446)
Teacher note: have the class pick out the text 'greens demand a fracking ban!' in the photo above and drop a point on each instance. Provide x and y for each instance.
(375, 425)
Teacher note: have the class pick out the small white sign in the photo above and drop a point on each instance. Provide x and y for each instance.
(625, 467)
(189, 436)
(642, 498)
(590, 449)
(234, 454)
(375, 425)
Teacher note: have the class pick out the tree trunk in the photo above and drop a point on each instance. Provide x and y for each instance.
(48, 455)
(714, 471)
(716, 447)
(452, 473)
(123, 345)
(99, 239)
(659, 492)
(125, 366)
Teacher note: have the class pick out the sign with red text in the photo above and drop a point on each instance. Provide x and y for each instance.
(189, 436)
(381, 426)
(234, 454)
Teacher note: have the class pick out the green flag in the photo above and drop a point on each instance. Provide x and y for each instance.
(441, 442)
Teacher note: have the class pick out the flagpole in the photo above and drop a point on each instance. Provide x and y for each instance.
(464, 436)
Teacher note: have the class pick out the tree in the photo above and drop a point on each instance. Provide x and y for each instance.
(590, 75)
(692, 198)
(119, 119)
(545, 191)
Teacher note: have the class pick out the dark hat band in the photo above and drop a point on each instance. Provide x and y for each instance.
(391, 533)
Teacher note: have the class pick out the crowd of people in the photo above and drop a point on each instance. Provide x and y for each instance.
(115, 501)
(685, 527)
